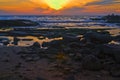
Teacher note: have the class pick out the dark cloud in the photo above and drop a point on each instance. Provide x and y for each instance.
(4, 12)
(105, 2)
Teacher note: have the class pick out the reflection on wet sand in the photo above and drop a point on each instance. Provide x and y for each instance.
(28, 40)
(45, 35)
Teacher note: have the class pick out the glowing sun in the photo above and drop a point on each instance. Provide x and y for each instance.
(56, 4)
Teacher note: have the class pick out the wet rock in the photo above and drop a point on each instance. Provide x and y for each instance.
(104, 32)
(51, 51)
(7, 60)
(5, 41)
(89, 45)
(115, 70)
(18, 65)
(117, 38)
(17, 22)
(45, 44)
(75, 45)
(10, 77)
(78, 57)
(36, 45)
(113, 51)
(91, 62)
(96, 37)
(28, 59)
(16, 40)
(67, 50)
(71, 38)
(107, 63)
(71, 77)
(55, 44)
(31, 58)
(39, 78)
(86, 51)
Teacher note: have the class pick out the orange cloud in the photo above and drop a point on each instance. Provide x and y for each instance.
(67, 4)
(68, 7)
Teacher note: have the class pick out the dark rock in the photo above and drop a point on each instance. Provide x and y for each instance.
(52, 51)
(86, 51)
(117, 38)
(36, 45)
(96, 37)
(72, 77)
(18, 65)
(75, 45)
(45, 44)
(70, 38)
(113, 51)
(6, 60)
(16, 40)
(117, 55)
(55, 44)
(115, 70)
(5, 41)
(20, 22)
(112, 18)
(107, 62)
(78, 57)
(91, 62)
(29, 59)
(104, 32)
(39, 78)
(89, 45)
(67, 50)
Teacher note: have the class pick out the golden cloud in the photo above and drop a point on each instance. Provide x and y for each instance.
(62, 4)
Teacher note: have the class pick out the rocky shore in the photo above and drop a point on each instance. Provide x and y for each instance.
(16, 23)
(91, 56)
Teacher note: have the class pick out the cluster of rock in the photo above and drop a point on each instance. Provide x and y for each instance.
(90, 52)
(17, 22)
(112, 18)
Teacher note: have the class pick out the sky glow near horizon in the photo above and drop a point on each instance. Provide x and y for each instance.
(59, 7)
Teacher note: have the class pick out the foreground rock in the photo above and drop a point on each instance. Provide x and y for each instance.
(98, 38)
(91, 62)
(111, 51)
(115, 70)
(36, 45)
(68, 60)
(70, 38)
(117, 38)
(55, 44)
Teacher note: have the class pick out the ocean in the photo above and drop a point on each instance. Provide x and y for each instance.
(48, 22)
(65, 21)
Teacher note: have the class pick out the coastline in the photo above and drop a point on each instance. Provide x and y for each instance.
(34, 63)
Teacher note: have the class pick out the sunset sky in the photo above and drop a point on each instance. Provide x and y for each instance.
(59, 7)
